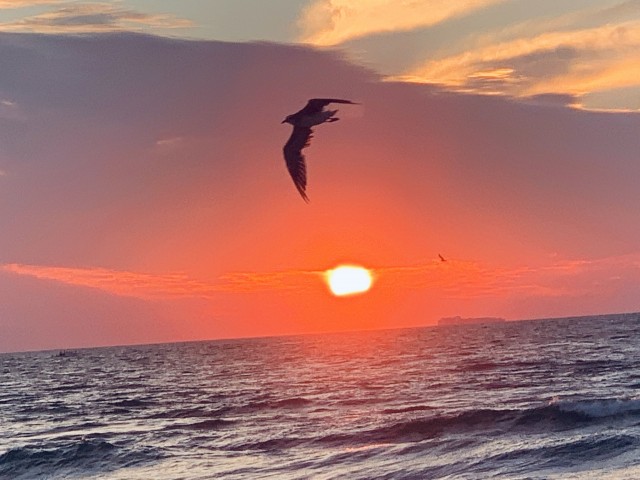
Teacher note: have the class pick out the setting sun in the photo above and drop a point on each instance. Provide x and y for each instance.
(348, 280)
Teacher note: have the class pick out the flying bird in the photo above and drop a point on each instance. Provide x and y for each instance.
(311, 115)
(442, 259)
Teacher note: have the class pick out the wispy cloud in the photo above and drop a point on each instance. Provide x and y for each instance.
(4, 4)
(10, 110)
(172, 285)
(93, 17)
(451, 279)
(464, 278)
(469, 279)
(574, 59)
(330, 22)
(283, 280)
(130, 284)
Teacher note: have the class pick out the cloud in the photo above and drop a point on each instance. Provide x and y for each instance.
(461, 279)
(93, 17)
(465, 279)
(330, 22)
(567, 61)
(122, 283)
(291, 280)
(167, 286)
(10, 110)
(27, 3)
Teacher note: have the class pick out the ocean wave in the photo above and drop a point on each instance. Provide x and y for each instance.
(211, 424)
(354, 402)
(567, 453)
(93, 455)
(75, 387)
(599, 408)
(286, 403)
(553, 417)
(590, 367)
(431, 427)
(132, 403)
(77, 427)
(592, 448)
(478, 366)
(556, 416)
(195, 412)
(413, 408)
(272, 444)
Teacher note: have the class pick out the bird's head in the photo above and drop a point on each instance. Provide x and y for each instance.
(287, 120)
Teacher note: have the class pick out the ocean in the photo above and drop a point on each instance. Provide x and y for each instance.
(543, 399)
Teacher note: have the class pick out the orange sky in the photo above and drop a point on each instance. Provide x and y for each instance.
(144, 198)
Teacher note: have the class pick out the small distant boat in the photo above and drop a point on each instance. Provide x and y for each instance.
(67, 353)
(469, 321)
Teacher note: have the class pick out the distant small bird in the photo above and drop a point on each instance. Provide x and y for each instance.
(311, 115)
(442, 259)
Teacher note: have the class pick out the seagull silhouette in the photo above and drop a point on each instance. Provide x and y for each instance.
(311, 115)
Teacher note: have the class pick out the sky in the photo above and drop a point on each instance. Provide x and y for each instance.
(144, 197)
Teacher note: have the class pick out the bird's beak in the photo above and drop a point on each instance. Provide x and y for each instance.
(283, 120)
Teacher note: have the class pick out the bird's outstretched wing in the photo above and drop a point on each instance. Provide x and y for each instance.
(299, 139)
(316, 105)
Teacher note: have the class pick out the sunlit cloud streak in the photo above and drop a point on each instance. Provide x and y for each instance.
(4, 4)
(172, 285)
(330, 22)
(452, 279)
(469, 279)
(290, 280)
(93, 17)
(122, 283)
(573, 62)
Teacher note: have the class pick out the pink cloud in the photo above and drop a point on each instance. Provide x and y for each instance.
(471, 279)
(173, 285)
(455, 278)
(116, 282)
(27, 3)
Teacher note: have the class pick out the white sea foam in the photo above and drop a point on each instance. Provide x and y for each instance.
(599, 408)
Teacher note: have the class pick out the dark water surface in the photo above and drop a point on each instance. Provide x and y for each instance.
(546, 399)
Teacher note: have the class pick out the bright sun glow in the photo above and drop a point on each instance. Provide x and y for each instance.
(348, 280)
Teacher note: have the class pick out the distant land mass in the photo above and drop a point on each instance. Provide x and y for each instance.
(469, 321)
